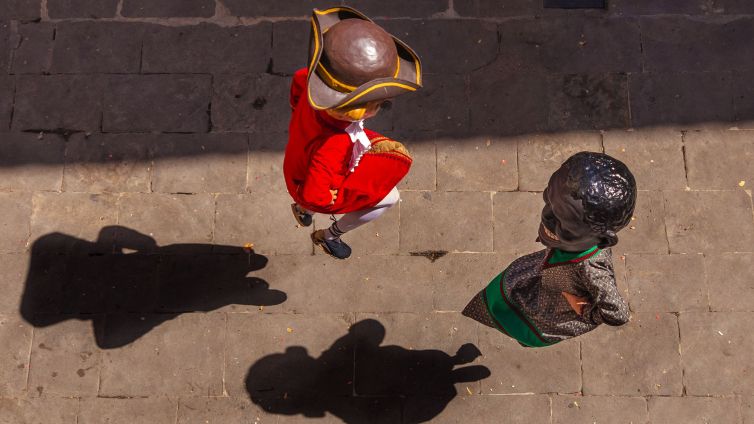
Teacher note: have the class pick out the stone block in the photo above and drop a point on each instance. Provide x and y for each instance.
(517, 219)
(200, 163)
(684, 99)
(419, 111)
(539, 156)
(89, 9)
(719, 159)
(34, 52)
(97, 47)
(457, 277)
(690, 409)
(423, 172)
(169, 218)
(521, 409)
(207, 48)
(490, 8)
(598, 409)
(251, 103)
(66, 360)
(23, 10)
(654, 156)
(649, 7)
(396, 8)
(107, 163)
(716, 347)
(62, 103)
(128, 411)
(416, 355)
(166, 103)
(39, 410)
(437, 42)
(265, 162)
(31, 162)
(508, 103)
(379, 237)
(293, 8)
(684, 44)
(6, 44)
(15, 337)
(587, 102)
(228, 410)
(78, 217)
(643, 358)
(168, 9)
(429, 221)
(731, 287)
(148, 366)
(7, 87)
(589, 45)
(477, 164)
(516, 369)
(646, 231)
(14, 221)
(296, 354)
(667, 283)
(271, 233)
(696, 222)
(13, 270)
(290, 46)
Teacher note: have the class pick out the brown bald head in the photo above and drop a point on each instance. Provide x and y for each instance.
(358, 51)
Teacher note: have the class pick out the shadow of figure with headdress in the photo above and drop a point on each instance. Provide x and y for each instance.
(359, 381)
(127, 285)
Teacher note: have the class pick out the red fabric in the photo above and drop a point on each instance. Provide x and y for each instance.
(317, 158)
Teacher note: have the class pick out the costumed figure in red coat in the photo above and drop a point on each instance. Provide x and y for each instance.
(333, 165)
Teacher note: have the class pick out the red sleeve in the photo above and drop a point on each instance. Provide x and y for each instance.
(298, 86)
(322, 174)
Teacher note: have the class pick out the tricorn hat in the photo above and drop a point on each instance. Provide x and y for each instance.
(357, 62)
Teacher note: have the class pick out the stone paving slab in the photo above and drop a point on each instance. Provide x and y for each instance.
(643, 358)
(66, 360)
(696, 223)
(671, 283)
(15, 336)
(39, 410)
(128, 295)
(694, 409)
(31, 162)
(711, 344)
(599, 409)
(149, 367)
(124, 411)
(729, 281)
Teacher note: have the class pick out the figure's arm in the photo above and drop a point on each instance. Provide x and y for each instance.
(318, 188)
(606, 305)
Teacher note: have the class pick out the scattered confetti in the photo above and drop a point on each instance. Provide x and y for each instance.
(248, 247)
(289, 329)
(488, 142)
(632, 227)
(503, 162)
(741, 183)
(469, 391)
(720, 333)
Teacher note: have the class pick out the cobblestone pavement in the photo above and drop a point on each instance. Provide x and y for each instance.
(141, 149)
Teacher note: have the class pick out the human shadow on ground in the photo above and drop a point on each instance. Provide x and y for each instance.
(360, 381)
(127, 285)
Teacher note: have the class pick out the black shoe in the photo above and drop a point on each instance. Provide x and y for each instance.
(336, 248)
(304, 219)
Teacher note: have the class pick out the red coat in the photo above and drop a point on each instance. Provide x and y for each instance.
(319, 152)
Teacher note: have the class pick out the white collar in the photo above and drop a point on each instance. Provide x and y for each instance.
(361, 143)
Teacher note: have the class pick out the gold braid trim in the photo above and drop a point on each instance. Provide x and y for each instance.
(386, 145)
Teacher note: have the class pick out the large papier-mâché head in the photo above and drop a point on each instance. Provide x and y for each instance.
(587, 201)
